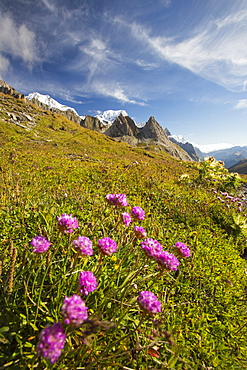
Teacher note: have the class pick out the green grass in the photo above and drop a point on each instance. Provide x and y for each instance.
(203, 320)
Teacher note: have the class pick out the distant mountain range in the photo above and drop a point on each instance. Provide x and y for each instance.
(150, 136)
(230, 156)
(240, 167)
(120, 126)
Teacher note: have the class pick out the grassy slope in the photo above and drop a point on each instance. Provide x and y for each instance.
(240, 167)
(58, 167)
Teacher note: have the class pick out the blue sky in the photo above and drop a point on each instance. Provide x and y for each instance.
(182, 61)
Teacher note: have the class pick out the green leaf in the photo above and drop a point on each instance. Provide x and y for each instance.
(4, 329)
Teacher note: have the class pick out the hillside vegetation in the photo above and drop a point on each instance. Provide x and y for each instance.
(51, 167)
(240, 167)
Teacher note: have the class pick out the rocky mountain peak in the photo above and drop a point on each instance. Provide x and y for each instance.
(9, 90)
(122, 126)
(153, 130)
(151, 133)
(108, 116)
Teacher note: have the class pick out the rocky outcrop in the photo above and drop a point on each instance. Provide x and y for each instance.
(188, 147)
(151, 134)
(8, 90)
(122, 126)
(93, 123)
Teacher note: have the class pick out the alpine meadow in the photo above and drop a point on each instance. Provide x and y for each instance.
(116, 256)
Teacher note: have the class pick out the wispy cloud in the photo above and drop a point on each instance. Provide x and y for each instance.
(115, 52)
(147, 66)
(117, 92)
(242, 104)
(4, 64)
(166, 3)
(217, 53)
(97, 55)
(49, 5)
(17, 41)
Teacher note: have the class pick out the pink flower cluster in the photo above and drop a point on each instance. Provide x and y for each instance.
(234, 202)
(182, 249)
(74, 310)
(166, 260)
(151, 247)
(126, 218)
(87, 282)
(138, 213)
(51, 342)
(107, 246)
(67, 223)
(84, 246)
(140, 232)
(148, 302)
(52, 338)
(117, 200)
(40, 244)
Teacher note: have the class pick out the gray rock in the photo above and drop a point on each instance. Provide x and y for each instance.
(8, 90)
(151, 134)
(93, 123)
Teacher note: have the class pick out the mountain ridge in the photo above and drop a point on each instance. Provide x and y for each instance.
(151, 135)
(230, 156)
(106, 118)
(240, 167)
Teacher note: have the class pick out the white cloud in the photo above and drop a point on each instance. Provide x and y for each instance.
(212, 147)
(145, 65)
(94, 57)
(49, 5)
(217, 53)
(4, 64)
(242, 104)
(17, 42)
(97, 54)
(117, 93)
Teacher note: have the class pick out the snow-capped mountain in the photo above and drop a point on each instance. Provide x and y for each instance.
(178, 138)
(109, 116)
(48, 100)
(106, 117)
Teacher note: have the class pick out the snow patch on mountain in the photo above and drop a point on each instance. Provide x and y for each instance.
(178, 138)
(106, 117)
(48, 100)
(109, 116)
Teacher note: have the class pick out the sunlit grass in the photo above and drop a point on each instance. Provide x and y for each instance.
(202, 322)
